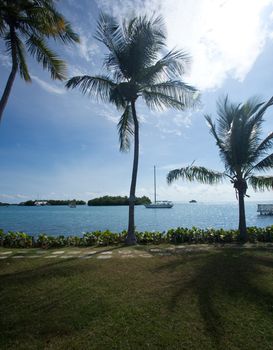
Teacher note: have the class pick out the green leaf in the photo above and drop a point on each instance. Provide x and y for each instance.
(264, 164)
(126, 129)
(196, 173)
(37, 47)
(261, 183)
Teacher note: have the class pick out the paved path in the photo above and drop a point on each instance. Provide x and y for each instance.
(109, 253)
(94, 254)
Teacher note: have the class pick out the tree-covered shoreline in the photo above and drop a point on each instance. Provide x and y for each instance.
(117, 200)
(31, 203)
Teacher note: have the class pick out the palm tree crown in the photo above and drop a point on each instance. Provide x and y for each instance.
(237, 133)
(25, 25)
(135, 70)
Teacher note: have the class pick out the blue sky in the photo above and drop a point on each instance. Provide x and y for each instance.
(59, 144)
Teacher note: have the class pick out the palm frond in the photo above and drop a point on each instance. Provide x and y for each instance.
(225, 113)
(239, 129)
(160, 101)
(146, 38)
(264, 164)
(2, 26)
(37, 47)
(99, 86)
(266, 144)
(170, 94)
(196, 173)
(126, 129)
(110, 33)
(66, 33)
(261, 183)
(178, 90)
(261, 150)
(257, 117)
(213, 131)
(132, 46)
(117, 98)
(172, 65)
(43, 19)
(23, 69)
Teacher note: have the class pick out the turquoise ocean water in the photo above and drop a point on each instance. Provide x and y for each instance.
(55, 220)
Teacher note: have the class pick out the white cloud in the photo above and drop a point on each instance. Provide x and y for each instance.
(172, 123)
(109, 113)
(87, 48)
(53, 89)
(5, 60)
(76, 70)
(182, 120)
(172, 166)
(224, 37)
(12, 196)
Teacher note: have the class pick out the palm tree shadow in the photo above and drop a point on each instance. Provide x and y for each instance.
(229, 273)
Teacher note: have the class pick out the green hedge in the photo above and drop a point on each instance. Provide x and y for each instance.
(103, 238)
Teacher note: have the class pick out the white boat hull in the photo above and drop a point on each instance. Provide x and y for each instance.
(159, 206)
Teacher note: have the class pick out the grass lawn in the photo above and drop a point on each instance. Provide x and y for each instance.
(211, 298)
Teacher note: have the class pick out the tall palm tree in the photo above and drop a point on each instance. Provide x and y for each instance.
(25, 25)
(136, 69)
(238, 137)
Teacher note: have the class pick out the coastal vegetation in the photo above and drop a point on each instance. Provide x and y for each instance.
(118, 200)
(27, 26)
(209, 299)
(138, 65)
(238, 136)
(178, 235)
(31, 203)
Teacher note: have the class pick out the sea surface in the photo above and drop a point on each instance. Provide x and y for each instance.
(56, 220)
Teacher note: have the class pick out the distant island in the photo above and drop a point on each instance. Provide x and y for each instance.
(31, 203)
(117, 200)
(4, 204)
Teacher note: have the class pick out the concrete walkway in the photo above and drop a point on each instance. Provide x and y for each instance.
(105, 253)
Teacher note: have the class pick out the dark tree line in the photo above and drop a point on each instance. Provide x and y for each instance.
(53, 202)
(118, 200)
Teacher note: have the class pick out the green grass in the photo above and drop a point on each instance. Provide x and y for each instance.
(215, 299)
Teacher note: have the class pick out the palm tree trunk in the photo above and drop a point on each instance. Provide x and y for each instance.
(242, 218)
(6, 93)
(131, 237)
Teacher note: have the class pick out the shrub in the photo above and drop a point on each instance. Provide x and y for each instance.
(16, 240)
(178, 235)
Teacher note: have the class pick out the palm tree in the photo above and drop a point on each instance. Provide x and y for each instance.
(24, 26)
(135, 70)
(238, 137)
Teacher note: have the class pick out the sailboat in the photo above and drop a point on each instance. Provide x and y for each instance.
(158, 204)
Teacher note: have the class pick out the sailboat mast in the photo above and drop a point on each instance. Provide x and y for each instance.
(154, 185)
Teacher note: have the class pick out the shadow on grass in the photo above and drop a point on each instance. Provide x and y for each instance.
(223, 275)
(57, 298)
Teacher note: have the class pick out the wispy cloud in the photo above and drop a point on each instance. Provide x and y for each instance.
(51, 88)
(224, 37)
(108, 112)
(170, 123)
(12, 196)
(5, 60)
(172, 166)
(88, 48)
(76, 70)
